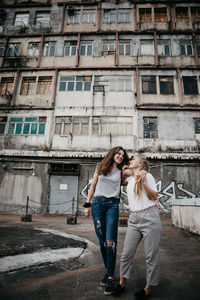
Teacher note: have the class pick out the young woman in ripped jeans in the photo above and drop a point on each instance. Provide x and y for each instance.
(105, 195)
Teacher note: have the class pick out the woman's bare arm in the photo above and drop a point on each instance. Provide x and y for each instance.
(91, 192)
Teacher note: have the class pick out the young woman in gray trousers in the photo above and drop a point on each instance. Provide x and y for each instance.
(144, 223)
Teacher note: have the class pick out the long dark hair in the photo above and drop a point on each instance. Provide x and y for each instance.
(105, 166)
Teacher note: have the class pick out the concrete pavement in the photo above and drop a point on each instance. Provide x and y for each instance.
(79, 278)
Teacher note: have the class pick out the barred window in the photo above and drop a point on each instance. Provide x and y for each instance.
(150, 127)
(190, 85)
(181, 14)
(28, 86)
(145, 15)
(75, 83)
(195, 13)
(27, 125)
(149, 84)
(44, 85)
(6, 85)
(166, 85)
(160, 14)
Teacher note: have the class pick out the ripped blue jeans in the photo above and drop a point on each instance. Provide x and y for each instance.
(105, 213)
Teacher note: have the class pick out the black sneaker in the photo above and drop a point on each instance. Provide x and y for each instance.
(118, 290)
(104, 281)
(110, 287)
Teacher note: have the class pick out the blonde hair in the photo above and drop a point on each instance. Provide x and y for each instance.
(144, 165)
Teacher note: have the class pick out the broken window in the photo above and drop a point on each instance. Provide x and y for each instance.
(44, 85)
(108, 47)
(86, 48)
(88, 16)
(185, 47)
(190, 85)
(6, 85)
(1, 49)
(75, 125)
(195, 13)
(166, 85)
(112, 126)
(3, 121)
(28, 86)
(124, 47)
(149, 84)
(42, 18)
(49, 48)
(33, 49)
(13, 49)
(150, 127)
(145, 15)
(181, 14)
(197, 125)
(27, 125)
(114, 82)
(21, 19)
(70, 48)
(146, 47)
(160, 14)
(163, 47)
(124, 15)
(74, 18)
(75, 83)
(198, 47)
(109, 16)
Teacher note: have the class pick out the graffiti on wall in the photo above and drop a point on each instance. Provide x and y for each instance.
(166, 195)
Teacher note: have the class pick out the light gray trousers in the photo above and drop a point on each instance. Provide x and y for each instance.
(143, 224)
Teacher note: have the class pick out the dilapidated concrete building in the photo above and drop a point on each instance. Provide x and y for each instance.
(79, 77)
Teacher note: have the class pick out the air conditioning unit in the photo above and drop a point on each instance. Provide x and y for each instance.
(70, 9)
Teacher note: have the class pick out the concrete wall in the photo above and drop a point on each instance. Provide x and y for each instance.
(185, 214)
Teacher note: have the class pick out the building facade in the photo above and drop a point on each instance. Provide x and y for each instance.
(80, 77)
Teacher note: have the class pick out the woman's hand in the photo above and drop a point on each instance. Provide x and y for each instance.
(87, 211)
(141, 176)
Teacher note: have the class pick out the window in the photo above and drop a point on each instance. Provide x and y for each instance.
(149, 84)
(86, 48)
(185, 47)
(150, 127)
(74, 18)
(147, 47)
(27, 125)
(75, 125)
(75, 83)
(164, 47)
(124, 47)
(145, 15)
(181, 14)
(166, 85)
(42, 18)
(197, 125)
(198, 47)
(3, 121)
(44, 85)
(70, 48)
(109, 16)
(13, 49)
(190, 85)
(195, 13)
(6, 85)
(116, 126)
(113, 82)
(108, 47)
(88, 16)
(160, 14)
(28, 86)
(49, 48)
(124, 16)
(33, 49)
(21, 19)
(1, 49)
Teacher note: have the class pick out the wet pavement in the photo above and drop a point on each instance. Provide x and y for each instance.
(78, 278)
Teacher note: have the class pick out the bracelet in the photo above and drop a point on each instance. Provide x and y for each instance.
(87, 205)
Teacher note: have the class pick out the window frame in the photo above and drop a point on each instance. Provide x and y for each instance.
(87, 45)
(25, 123)
(125, 44)
(156, 14)
(43, 14)
(144, 14)
(161, 44)
(48, 47)
(15, 49)
(124, 12)
(168, 86)
(111, 47)
(71, 45)
(90, 15)
(190, 87)
(142, 49)
(8, 88)
(28, 83)
(74, 81)
(3, 122)
(45, 81)
(150, 134)
(27, 19)
(185, 45)
(151, 84)
(75, 18)
(111, 13)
